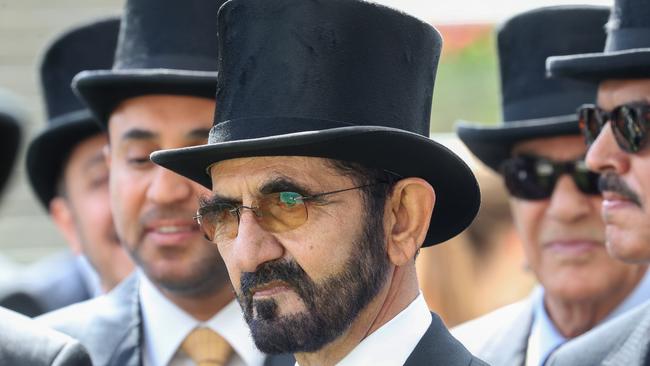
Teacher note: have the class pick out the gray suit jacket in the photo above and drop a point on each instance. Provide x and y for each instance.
(45, 286)
(621, 341)
(110, 327)
(438, 347)
(24, 342)
(500, 337)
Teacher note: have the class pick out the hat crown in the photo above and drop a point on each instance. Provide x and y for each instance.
(86, 47)
(340, 60)
(146, 42)
(524, 43)
(628, 26)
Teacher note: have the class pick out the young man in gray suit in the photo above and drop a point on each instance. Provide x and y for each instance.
(555, 200)
(617, 128)
(22, 340)
(324, 180)
(179, 308)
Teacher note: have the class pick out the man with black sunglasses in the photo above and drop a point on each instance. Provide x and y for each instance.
(321, 194)
(554, 198)
(617, 131)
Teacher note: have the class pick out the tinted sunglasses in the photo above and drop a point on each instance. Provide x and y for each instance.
(630, 123)
(534, 178)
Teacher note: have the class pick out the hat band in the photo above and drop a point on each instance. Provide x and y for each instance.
(254, 128)
(549, 105)
(627, 38)
(169, 61)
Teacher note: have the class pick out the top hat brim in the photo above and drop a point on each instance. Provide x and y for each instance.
(493, 145)
(596, 67)
(54, 145)
(103, 90)
(9, 143)
(404, 153)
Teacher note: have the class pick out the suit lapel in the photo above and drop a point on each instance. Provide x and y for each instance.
(438, 347)
(634, 350)
(509, 346)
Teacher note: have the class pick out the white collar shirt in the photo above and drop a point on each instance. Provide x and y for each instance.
(166, 326)
(393, 342)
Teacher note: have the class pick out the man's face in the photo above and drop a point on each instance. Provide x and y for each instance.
(85, 179)
(563, 236)
(154, 207)
(626, 189)
(300, 288)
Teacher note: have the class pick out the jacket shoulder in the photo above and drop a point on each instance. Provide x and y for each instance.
(480, 333)
(24, 342)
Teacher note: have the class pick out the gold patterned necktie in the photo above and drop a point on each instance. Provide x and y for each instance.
(206, 348)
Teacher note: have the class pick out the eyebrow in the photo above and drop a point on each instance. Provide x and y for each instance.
(279, 183)
(95, 159)
(142, 134)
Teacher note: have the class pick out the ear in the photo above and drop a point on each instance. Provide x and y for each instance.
(63, 218)
(106, 151)
(410, 207)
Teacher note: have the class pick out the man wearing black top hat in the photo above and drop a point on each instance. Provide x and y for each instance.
(320, 198)
(22, 340)
(616, 128)
(555, 200)
(67, 171)
(160, 94)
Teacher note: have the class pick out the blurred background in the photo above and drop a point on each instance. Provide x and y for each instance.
(467, 87)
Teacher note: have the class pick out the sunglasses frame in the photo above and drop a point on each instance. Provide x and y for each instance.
(630, 124)
(584, 180)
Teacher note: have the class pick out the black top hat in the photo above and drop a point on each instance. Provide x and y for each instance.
(339, 79)
(534, 106)
(10, 134)
(90, 46)
(164, 47)
(627, 50)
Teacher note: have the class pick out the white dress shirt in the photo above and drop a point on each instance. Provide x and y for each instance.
(545, 338)
(166, 326)
(393, 342)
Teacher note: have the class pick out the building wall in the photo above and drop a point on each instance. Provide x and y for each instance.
(26, 26)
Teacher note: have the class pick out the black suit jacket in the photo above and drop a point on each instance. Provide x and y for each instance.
(23, 342)
(110, 327)
(439, 347)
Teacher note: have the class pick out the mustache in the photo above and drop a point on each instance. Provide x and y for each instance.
(167, 213)
(285, 271)
(611, 182)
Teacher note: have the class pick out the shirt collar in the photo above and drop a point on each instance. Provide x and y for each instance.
(408, 326)
(162, 338)
(544, 336)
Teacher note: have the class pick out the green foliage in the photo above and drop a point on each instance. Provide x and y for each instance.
(467, 86)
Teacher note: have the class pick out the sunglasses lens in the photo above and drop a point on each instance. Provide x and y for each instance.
(529, 178)
(218, 222)
(282, 211)
(630, 126)
(589, 123)
(584, 179)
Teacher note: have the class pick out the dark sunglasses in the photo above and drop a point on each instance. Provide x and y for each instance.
(533, 178)
(630, 123)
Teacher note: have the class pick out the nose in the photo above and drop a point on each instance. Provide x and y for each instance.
(605, 154)
(168, 187)
(253, 245)
(567, 203)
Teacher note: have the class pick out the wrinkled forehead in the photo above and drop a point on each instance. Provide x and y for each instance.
(234, 175)
(613, 93)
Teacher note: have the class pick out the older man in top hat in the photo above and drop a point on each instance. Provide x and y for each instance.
(22, 340)
(617, 131)
(179, 308)
(554, 198)
(320, 195)
(67, 171)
